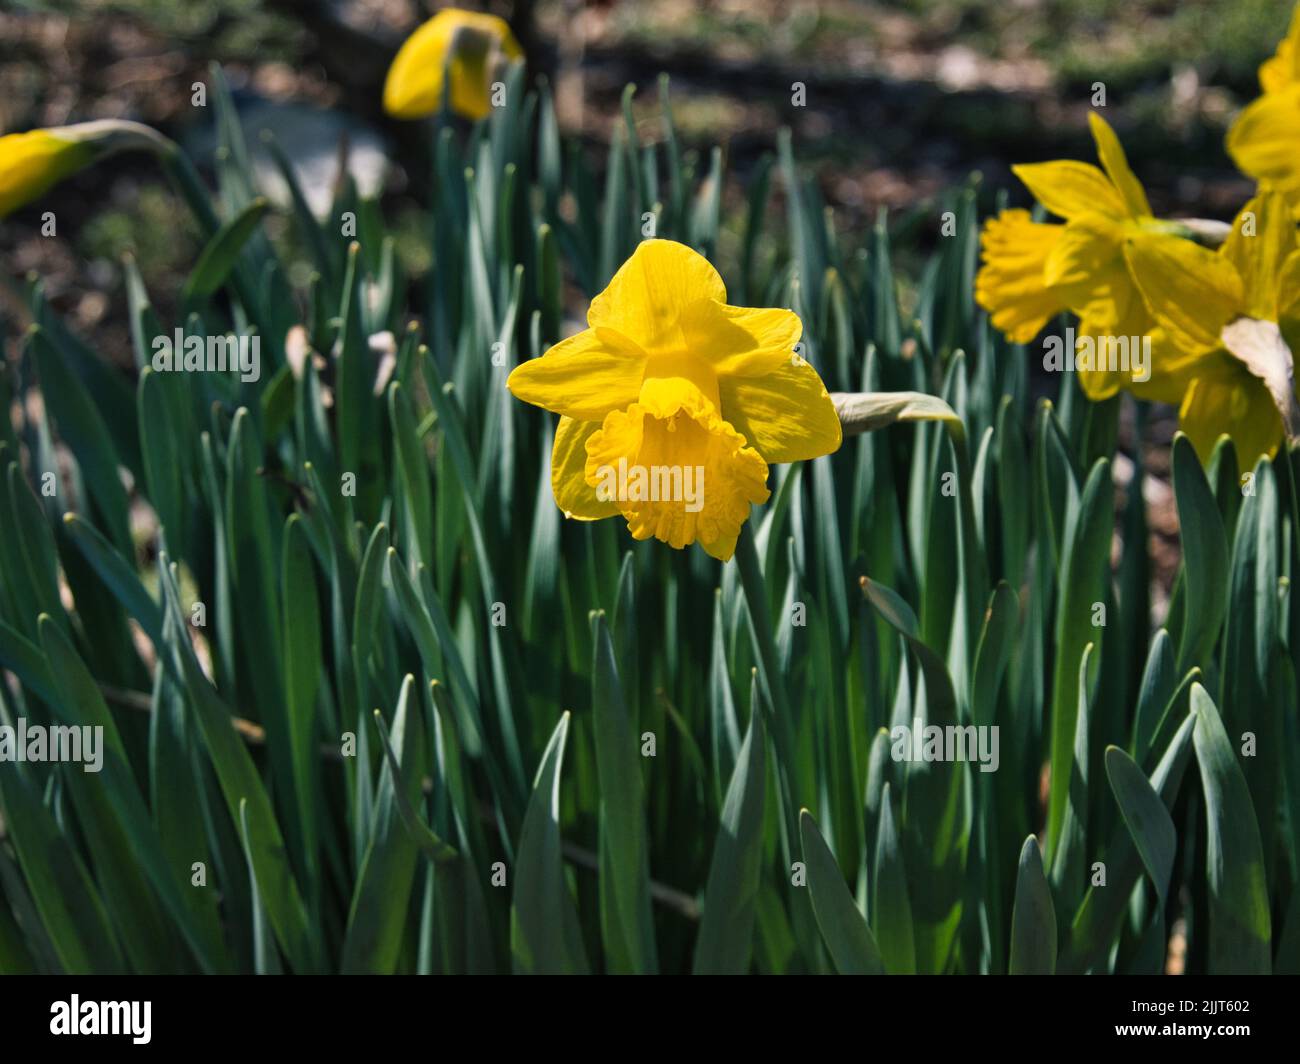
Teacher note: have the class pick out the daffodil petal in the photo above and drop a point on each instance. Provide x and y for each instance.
(770, 394)
(786, 414)
(1068, 188)
(1283, 68)
(1088, 249)
(1172, 369)
(1288, 289)
(1260, 347)
(1010, 284)
(1115, 163)
(732, 338)
(573, 495)
(1118, 337)
(1190, 290)
(1263, 235)
(1263, 140)
(651, 290)
(583, 377)
(1227, 398)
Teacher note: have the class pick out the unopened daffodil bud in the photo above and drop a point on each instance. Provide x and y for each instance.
(468, 48)
(32, 162)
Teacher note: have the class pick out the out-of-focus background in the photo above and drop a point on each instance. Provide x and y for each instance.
(903, 99)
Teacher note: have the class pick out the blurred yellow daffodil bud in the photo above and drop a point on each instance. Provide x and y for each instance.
(32, 162)
(469, 48)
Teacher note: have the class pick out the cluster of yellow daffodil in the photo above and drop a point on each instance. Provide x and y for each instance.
(1221, 325)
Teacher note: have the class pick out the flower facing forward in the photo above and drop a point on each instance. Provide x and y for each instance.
(1264, 141)
(32, 162)
(469, 48)
(1032, 271)
(1227, 322)
(672, 404)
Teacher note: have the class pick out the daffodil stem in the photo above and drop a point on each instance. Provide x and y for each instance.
(179, 168)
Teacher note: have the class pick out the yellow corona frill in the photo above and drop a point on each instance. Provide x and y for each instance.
(466, 47)
(672, 403)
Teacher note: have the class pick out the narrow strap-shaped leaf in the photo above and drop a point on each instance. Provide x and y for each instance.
(891, 910)
(545, 938)
(377, 917)
(1084, 567)
(627, 928)
(1145, 814)
(266, 961)
(80, 424)
(1033, 918)
(239, 780)
(844, 930)
(935, 815)
(1205, 557)
(432, 846)
(1240, 924)
(1100, 915)
(218, 258)
(118, 575)
(726, 930)
(302, 674)
(62, 890)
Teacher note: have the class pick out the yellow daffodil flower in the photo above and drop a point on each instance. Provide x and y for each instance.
(1033, 270)
(1264, 141)
(1224, 318)
(30, 163)
(470, 48)
(672, 403)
